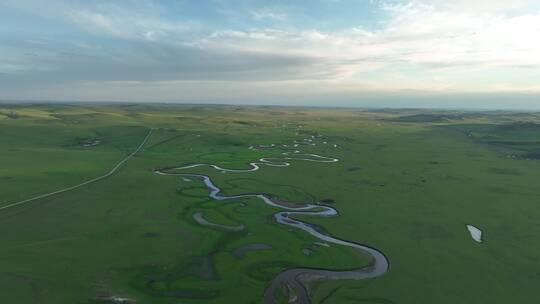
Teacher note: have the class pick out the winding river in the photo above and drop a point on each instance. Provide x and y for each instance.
(294, 280)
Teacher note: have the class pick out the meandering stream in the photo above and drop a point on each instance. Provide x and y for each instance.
(295, 279)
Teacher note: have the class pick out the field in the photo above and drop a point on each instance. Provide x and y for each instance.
(407, 183)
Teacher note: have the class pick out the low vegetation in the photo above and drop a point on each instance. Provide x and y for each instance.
(407, 183)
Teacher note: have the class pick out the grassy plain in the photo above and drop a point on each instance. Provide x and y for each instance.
(407, 183)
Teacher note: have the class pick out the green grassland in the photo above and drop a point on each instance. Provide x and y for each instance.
(407, 183)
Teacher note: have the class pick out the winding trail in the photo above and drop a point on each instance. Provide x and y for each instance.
(294, 280)
(111, 172)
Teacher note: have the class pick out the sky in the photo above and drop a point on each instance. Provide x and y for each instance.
(366, 53)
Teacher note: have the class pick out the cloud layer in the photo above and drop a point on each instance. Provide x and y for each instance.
(436, 46)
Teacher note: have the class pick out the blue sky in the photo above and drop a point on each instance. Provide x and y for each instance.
(320, 52)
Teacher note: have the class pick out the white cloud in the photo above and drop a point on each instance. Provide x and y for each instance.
(452, 37)
(126, 24)
(136, 19)
(437, 46)
(421, 41)
(498, 6)
(268, 15)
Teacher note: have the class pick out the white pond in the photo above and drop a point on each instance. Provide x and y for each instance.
(476, 233)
